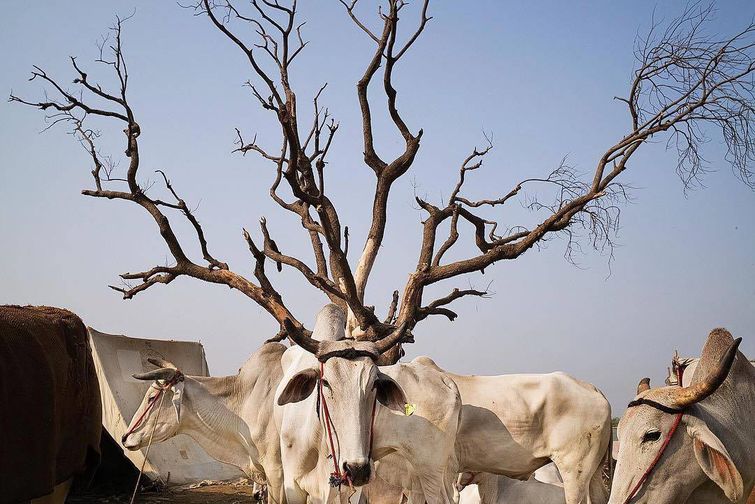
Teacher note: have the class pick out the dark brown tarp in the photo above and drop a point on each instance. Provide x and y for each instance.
(50, 414)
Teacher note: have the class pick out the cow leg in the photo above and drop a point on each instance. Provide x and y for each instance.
(275, 488)
(582, 480)
(415, 495)
(294, 494)
(576, 474)
(449, 484)
(581, 468)
(577, 486)
(435, 488)
(598, 491)
(575, 489)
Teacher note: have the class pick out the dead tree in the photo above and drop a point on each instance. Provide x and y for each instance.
(686, 84)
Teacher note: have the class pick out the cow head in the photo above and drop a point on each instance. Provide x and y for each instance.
(166, 390)
(350, 383)
(694, 454)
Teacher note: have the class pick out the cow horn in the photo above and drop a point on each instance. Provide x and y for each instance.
(297, 335)
(687, 396)
(161, 363)
(157, 374)
(643, 386)
(395, 337)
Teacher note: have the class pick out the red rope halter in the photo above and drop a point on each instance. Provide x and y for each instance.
(337, 477)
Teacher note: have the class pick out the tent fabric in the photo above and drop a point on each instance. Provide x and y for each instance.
(49, 401)
(176, 461)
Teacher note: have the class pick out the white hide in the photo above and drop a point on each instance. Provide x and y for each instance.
(425, 439)
(514, 424)
(711, 456)
(231, 417)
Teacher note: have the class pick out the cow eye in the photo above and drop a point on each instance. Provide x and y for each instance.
(651, 436)
(326, 383)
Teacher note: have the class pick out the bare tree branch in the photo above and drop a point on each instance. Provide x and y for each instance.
(391, 316)
(687, 84)
(216, 271)
(437, 307)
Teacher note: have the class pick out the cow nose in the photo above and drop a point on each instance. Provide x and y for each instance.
(123, 439)
(358, 472)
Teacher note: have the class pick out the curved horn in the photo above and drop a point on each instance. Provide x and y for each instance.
(687, 396)
(161, 363)
(157, 374)
(297, 335)
(395, 337)
(643, 386)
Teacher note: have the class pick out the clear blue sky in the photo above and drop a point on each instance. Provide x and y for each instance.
(541, 76)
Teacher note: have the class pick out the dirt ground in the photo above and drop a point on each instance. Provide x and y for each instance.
(215, 494)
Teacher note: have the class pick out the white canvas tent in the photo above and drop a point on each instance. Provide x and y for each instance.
(116, 358)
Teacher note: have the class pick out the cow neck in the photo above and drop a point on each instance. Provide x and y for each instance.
(212, 412)
(734, 395)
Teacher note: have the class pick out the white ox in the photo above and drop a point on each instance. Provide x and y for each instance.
(329, 371)
(512, 425)
(485, 487)
(231, 417)
(709, 451)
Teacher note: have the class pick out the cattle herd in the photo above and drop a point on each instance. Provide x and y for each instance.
(321, 422)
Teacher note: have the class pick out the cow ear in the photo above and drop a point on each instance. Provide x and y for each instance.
(715, 461)
(389, 393)
(299, 387)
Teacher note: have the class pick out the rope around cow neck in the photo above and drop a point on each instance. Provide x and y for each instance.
(149, 444)
(337, 478)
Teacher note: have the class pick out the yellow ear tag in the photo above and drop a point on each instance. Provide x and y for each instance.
(409, 409)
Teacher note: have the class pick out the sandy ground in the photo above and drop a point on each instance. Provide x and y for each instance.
(215, 494)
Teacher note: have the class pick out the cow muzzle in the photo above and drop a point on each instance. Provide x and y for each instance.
(358, 472)
(132, 446)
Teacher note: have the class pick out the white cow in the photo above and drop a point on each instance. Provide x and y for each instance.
(485, 487)
(693, 444)
(513, 424)
(231, 417)
(328, 377)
